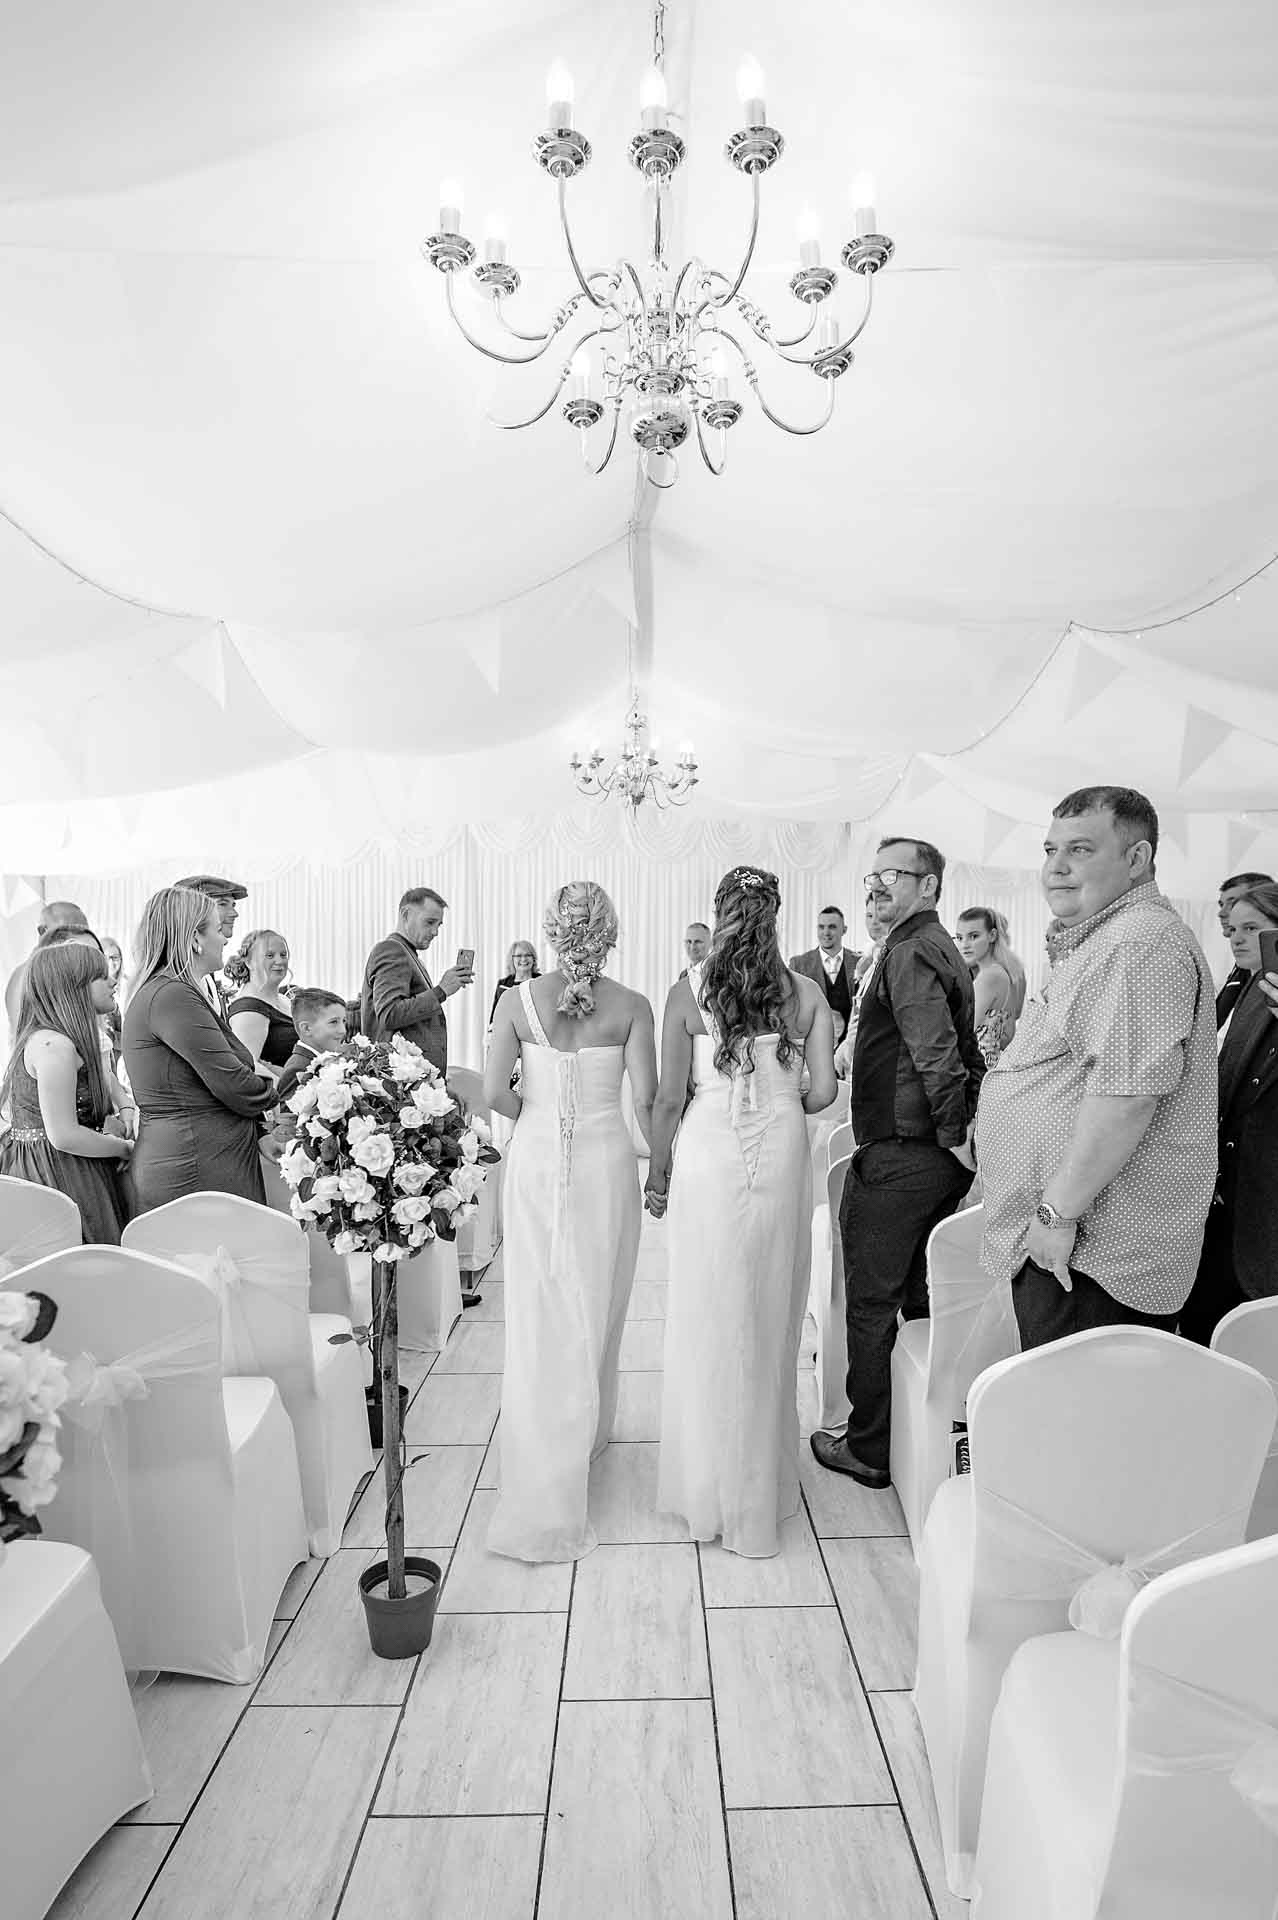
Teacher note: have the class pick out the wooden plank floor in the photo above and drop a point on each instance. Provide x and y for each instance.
(663, 1730)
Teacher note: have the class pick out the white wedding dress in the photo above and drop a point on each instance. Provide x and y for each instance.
(572, 1219)
(739, 1225)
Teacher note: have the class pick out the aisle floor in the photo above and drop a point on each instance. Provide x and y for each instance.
(664, 1730)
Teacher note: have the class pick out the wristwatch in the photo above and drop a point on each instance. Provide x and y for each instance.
(1047, 1216)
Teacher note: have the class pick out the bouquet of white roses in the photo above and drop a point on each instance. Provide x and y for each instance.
(382, 1157)
(33, 1385)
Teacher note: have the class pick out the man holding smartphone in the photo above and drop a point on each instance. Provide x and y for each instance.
(398, 994)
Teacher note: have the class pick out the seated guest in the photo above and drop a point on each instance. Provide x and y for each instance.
(1240, 1249)
(199, 1100)
(831, 965)
(320, 1018)
(259, 1015)
(998, 978)
(696, 945)
(59, 1102)
(54, 913)
(521, 965)
(1237, 979)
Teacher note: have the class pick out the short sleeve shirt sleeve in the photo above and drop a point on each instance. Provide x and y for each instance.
(1130, 1026)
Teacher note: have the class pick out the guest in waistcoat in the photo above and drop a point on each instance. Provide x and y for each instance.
(832, 966)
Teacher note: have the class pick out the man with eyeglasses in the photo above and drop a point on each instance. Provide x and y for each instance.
(916, 1073)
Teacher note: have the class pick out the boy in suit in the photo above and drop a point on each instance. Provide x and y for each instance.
(320, 1019)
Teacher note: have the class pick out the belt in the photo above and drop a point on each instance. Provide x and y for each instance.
(27, 1136)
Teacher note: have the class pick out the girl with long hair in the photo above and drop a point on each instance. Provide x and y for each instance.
(998, 978)
(738, 1188)
(572, 1220)
(199, 1099)
(259, 1015)
(57, 1093)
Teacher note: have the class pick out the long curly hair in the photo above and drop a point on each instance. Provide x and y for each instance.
(237, 966)
(745, 984)
(55, 995)
(581, 925)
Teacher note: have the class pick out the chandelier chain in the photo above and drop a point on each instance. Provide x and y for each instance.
(659, 35)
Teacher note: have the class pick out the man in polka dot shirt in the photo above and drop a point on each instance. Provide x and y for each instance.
(1096, 1130)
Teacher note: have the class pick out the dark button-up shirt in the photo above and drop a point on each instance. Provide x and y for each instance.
(916, 1067)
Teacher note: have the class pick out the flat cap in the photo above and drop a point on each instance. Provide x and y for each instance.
(216, 889)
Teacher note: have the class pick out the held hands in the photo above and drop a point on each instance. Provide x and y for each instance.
(1050, 1248)
(654, 1200)
(454, 980)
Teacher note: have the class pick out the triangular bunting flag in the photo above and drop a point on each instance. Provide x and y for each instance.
(5, 884)
(1240, 838)
(23, 894)
(1173, 825)
(129, 807)
(204, 662)
(997, 828)
(1093, 672)
(920, 778)
(1203, 734)
(483, 645)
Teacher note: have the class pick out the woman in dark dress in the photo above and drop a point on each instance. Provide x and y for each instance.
(62, 1134)
(1240, 1248)
(199, 1099)
(521, 965)
(259, 1016)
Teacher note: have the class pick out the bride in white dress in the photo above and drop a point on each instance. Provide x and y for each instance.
(740, 1214)
(572, 1220)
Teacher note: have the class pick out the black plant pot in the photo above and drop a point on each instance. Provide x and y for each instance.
(400, 1629)
(373, 1401)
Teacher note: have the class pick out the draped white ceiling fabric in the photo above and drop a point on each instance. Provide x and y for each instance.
(271, 582)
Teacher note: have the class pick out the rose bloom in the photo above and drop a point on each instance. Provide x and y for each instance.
(469, 1144)
(355, 1185)
(335, 1100)
(414, 1176)
(407, 1213)
(467, 1181)
(432, 1099)
(35, 1484)
(407, 1061)
(18, 1314)
(296, 1165)
(318, 1130)
(419, 1235)
(358, 1128)
(345, 1242)
(332, 1068)
(388, 1253)
(12, 1421)
(447, 1200)
(46, 1382)
(303, 1100)
(367, 1210)
(376, 1153)
(481, 1129)
(409, 1117)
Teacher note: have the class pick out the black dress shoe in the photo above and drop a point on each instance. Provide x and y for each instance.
(832, 1451)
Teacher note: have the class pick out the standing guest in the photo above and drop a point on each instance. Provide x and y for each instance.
(320, 1018)
(748, 1030)
(226, 896)
(696, 945)
(112, 1023)
(117, 1097)
(833, 967)
(1096, 1135)
(998, 978)
(62, 1134)
(1240, 1247)
(199, 1100)
(259, 1015)
(1236, 980)
(54, 913)
(398, 995)
(521, 965)
(878, 931)
(916, 1073)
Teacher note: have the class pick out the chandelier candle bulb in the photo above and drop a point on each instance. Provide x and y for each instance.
(863, 205)
(495, 241)
(450, 207)
(559, 97)
(750, 93)
(654, 100)
(809, 239)
(579, 381)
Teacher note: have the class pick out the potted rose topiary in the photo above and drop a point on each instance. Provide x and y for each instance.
(33, 1385)
(383, 1160)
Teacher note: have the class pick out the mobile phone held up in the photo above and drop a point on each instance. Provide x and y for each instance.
(1268, 937)
(465, 962)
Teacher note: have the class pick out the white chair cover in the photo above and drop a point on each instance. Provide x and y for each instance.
(1087, 1456)
(479, 1238)
(934, 1362)
(256, 1262)
(827, 1300)
(34, 1222)
(205, 1469)
(71, 1760)
(429, 1295)
(330, 1280)
(1250, 1334)
(1141, 1776)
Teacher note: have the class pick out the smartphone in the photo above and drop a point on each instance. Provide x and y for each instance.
(1269, 949)
(465, 961)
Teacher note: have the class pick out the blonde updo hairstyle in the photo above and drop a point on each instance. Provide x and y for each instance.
(581, 926)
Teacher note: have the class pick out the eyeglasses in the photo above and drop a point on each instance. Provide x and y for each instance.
(890, 876)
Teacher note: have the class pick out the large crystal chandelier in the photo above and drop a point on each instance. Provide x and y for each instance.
(655, 344)
(636, 774)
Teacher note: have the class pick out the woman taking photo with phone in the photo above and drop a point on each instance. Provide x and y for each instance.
(1240, 1249)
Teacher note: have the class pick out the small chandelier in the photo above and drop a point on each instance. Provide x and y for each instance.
(656, 343)
(637, 775)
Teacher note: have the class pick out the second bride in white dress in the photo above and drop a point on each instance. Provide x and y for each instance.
(739, 1221)
(572, 1219)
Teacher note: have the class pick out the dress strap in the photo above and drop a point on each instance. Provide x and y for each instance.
(533, 1018)
(694, 981)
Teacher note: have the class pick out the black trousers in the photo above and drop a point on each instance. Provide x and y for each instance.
(894, 1194)
(1215, 1290)
(1044, 1311)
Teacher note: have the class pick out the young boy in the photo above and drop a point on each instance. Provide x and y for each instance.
(320, 1019)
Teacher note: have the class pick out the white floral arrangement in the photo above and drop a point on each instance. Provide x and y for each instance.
(382, 1158)
(33, 1385)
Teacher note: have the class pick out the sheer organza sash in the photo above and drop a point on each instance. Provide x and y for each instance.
(229, 1275)
(36, 1244)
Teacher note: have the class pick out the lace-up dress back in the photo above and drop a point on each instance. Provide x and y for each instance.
(572, 1219)
(739, 1225)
